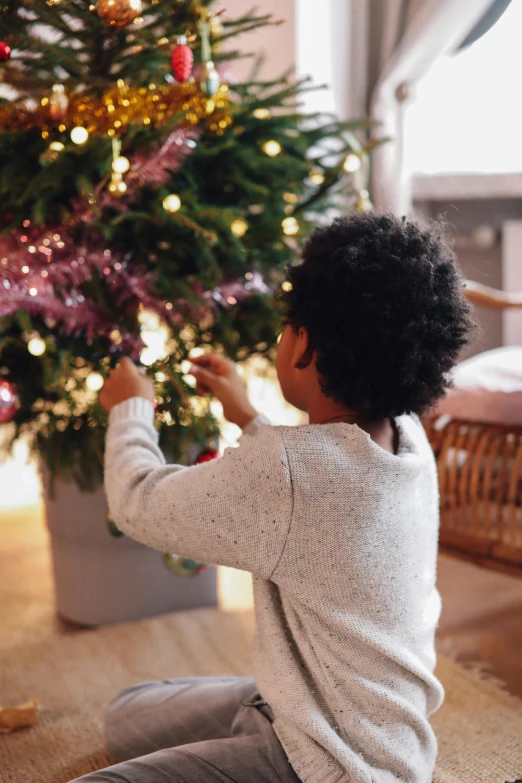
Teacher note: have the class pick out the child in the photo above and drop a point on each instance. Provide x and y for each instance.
(337, 520)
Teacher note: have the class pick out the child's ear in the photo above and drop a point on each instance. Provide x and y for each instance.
(303, 351)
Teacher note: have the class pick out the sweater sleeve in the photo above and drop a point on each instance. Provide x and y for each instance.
(232, 511)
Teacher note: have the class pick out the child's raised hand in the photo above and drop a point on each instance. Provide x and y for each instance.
(126, 381)
(214, 373)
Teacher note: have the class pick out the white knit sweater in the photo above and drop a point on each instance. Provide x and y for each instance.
(341, 537)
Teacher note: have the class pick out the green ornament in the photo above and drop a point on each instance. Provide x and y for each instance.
(209, 79)
(114, 530)
(182, 566)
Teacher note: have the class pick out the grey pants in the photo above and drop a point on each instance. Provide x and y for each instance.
(194, 730)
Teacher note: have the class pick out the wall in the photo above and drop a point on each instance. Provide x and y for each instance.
(483, 265)
(275, 43)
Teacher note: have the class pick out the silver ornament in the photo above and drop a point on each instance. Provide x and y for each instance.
(209, 79)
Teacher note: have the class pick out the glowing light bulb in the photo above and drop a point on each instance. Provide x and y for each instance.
(148, 356)
(352, 163)
(155, 335)
(271, 148)
(94, 381)
(317, 176)
(172, 203)
(33, 291)
(79, 135)
(290, 226)
(56, 146)
(36, 346)
(239, 227)
(287, 285)
(261, 114)
(121, 164)
(149, 319)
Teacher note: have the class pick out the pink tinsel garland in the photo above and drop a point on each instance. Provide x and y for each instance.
(42, 269)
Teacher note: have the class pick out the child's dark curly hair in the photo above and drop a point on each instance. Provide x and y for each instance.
(381, 299)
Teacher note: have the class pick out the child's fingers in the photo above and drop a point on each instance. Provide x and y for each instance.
(205, 378)
(211, 361)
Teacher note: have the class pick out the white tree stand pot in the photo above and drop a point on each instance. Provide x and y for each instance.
(101, 579)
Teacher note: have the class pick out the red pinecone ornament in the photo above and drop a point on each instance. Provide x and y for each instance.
(207, 455)
(5, 51)
(182, 59)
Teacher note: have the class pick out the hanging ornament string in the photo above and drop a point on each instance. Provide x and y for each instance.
(209, 81)
(120, 166)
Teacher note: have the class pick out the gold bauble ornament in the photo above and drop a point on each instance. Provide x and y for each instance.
(58, 102)
(118, 13)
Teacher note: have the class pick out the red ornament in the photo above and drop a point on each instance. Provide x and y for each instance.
(9, 402)
(182, 59)
(207, 456)
(5, 51)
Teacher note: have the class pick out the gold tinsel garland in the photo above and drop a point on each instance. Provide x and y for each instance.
(120, 106)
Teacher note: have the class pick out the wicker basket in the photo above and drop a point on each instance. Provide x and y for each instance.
(480, 480)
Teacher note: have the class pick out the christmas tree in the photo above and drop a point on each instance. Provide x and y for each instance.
(148, 207)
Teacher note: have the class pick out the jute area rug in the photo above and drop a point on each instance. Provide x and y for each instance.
(479, 727)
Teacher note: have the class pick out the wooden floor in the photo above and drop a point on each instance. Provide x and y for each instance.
(481, 618)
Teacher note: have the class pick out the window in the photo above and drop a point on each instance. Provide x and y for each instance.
(467, 114)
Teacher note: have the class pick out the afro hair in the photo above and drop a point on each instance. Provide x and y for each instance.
(381, 299)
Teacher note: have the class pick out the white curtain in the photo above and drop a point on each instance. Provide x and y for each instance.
(404, 39)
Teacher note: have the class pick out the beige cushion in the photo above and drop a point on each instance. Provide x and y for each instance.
(487, 387)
